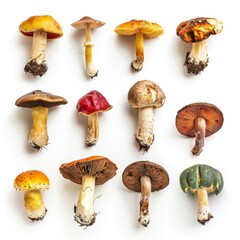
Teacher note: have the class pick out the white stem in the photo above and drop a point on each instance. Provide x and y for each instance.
(93, 130)
(198, 52)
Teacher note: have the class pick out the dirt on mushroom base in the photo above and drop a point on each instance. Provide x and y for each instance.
(35, 69)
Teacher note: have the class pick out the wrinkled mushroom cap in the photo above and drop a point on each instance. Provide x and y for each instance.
(133, 172)
(145, 94)
(87, 22)
(198, 29)
(185, 119)
(99, 167)
(44, 23)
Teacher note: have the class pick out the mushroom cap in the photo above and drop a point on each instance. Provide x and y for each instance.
(87, 22)
(149, 29)
(31, 180)
(145, 93)
(198, 29)
(133, 172)
(185, 119)
(99, 167)
(39, 98)
(44, 23)
(92, 102)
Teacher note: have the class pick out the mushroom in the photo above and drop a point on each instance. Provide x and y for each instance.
(199, 120)
(88, 172)
(40, 102)
(145, 177)
(202, 180)
(40, 28)
(196, 31)
(90, 105)
(31, 182)
(88, 24)
(146, 96)
(141, 28)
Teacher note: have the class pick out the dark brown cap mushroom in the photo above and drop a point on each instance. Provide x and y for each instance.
(145, 177)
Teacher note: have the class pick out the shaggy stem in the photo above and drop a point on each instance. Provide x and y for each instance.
(137, 64)
(93, 130)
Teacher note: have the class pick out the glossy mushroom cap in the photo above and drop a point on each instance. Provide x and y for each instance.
(44, 23)
(87, 22)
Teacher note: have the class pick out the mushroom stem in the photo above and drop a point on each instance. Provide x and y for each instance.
(85, 214)
(200, 126)
(38, 135)
(203, 212)
(144, 218)
(137, 64)
(93, 130)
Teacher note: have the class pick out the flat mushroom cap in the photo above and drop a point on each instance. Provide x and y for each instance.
(133, 172)
(87, 22)
(149, 29)
(44, 23)
(96, 166)
(39, 98)
(185, 119)
(31, 180)
(145, 94)
(198, 29)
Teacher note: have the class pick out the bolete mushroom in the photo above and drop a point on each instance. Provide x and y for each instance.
(145, 177)
(88, 24)
(40, 102)
(90, 105)
(88, 172)
(202, 180)
(196, 31)
(199, 120)
(31, 182)
(145, 96)
(141, 28)
(40, 28)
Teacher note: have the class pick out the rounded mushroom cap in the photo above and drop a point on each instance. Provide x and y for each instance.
(198, 29)
(44, 23)
(99, 167)
(87, 22)
(133, 172)
(31, 180)
(92, 102)
(40, 98)
(145, 94)
(185, 119)
(149, 29)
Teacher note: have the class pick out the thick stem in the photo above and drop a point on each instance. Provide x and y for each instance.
(93, 130)
(85, 214)
(137, 64)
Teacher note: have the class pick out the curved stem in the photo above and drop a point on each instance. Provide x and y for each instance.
(93, 130)
(137, 64)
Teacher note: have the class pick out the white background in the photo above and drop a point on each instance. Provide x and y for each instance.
(172, 213)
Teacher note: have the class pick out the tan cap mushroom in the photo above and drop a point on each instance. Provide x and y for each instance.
(141, 28)
(40, 102)
(199, 120)
(145, 177)
(31, 182)
(40, 28)
(88, 24)
(145, 96)
(90, 171)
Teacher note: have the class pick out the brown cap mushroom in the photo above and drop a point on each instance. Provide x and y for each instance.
(199, 120)
(39, 101)
(40, 28)
(196, 31)
(31, 182)
(146, 96)
(141, 28)
(88, 24)
(90, 171)
(145, 177)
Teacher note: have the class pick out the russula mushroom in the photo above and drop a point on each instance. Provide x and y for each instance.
(196, 31)
(88, 24)
(199, 120)
(88, 172)
(39, 102)
(202, 180)
(40, 28)
(145, 177)
(90, 105)
(141, 28)
(31, 182)
(145, 96)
